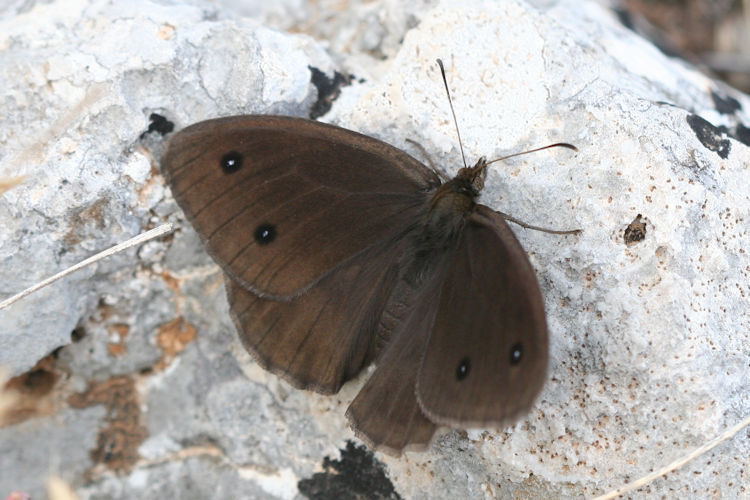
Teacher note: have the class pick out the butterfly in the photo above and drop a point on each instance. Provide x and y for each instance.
(340, 250)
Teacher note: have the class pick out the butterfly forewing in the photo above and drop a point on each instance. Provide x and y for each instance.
(486, 359)
(280, 201)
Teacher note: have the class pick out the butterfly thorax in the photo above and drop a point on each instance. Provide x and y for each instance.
(444, 221)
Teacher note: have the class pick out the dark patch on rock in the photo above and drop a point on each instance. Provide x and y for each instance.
(158, 124)
(742, 134)
(711, 136)
(31, 393)
(635, 232)
(357, 476)
(77, 334)
(328, 90)
(725, 105)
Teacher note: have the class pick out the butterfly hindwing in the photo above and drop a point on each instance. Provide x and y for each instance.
(486, 358)
(323, 338)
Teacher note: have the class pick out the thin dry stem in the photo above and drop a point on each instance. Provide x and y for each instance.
(677, 463)
(137, 240)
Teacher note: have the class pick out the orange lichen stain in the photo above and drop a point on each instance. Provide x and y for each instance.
(118, 441)
(118, 348)
(172, 338)
(172, 282)
(166, 31)
(10, 182)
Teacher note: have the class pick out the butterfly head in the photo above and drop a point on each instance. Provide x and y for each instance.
(470, 180)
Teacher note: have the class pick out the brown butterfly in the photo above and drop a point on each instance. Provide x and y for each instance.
(340, 250)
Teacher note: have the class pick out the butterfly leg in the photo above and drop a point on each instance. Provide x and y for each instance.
(537, 228)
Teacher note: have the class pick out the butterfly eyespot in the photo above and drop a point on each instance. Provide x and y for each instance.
(265, 233)
(231, 162)
(463, 369)
(516, 354)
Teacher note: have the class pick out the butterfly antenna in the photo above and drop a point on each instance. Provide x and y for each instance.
(555, 145)
(455, 122)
